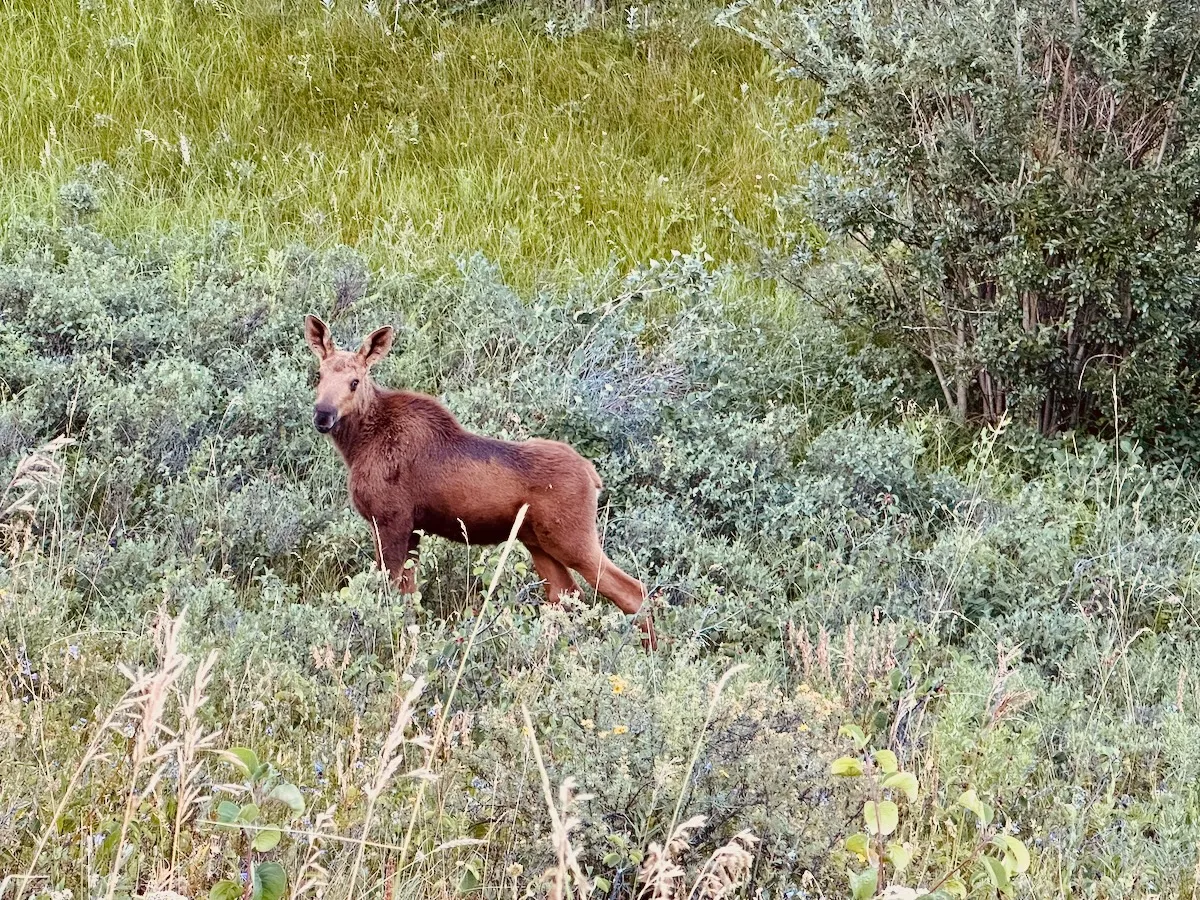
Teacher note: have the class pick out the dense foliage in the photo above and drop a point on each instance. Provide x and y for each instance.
(1023, 189)
(879, 575)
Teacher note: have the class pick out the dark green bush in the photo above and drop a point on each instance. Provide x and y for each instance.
(1020, 190)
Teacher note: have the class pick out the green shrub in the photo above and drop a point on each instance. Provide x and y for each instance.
(1020, 193)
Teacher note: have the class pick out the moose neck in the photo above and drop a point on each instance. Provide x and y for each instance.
(352, 430)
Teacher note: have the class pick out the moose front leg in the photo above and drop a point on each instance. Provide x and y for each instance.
(397, 543)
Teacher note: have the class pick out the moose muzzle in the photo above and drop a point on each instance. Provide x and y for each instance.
(324, 418)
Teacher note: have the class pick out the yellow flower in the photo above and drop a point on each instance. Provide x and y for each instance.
(620, 729)
(803, 727)
(618, 684)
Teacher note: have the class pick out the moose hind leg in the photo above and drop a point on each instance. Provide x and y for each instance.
(556, 576)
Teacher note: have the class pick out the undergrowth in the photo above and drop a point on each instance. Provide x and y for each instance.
(1013, 622)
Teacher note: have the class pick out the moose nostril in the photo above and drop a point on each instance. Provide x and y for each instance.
(324, 417)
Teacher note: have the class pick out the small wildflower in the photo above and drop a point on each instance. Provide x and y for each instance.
(619, 685)
(588, 725)
(515, 870)
(620, 729)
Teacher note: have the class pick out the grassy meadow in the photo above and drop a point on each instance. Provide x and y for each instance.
(963, 659)
(410, 135)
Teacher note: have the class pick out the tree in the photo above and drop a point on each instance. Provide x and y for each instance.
(1023, 182)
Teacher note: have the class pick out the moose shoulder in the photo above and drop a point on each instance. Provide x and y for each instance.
(413, 467)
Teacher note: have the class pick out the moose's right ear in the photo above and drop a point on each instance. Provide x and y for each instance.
(317, 334)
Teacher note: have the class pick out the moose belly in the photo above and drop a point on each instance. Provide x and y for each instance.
(490, 527)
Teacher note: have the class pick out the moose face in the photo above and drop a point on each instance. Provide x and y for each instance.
(344, 380)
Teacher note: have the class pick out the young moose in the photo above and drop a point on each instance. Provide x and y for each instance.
(413, 467)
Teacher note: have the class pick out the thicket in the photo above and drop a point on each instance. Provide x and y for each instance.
(1021, 191)
(1027, 638)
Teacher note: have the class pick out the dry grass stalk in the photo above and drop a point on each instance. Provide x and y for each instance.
(141, 706)
(661, 874)
(195, 740)
(33, 475)
(823, 655)
(150, 750)
(312, 876)
(712, 709)
(390, 760)
(1003, 703)
(722, 875)
(726, 870)
(439, 731)
(567, 872)
(34, 472)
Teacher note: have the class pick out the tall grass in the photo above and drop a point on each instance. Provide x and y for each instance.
(415, 137)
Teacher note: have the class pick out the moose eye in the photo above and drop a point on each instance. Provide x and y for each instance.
(354, 385)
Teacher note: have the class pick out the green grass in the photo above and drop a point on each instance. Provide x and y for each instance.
(415, 140)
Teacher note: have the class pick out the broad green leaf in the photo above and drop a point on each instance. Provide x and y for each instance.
(227, 812)
(225, 890)
(470, 878)
(1016, 854)
(995, 872)
(855, 734)
(270, 881)
(244, 758)
(903, 781)
(612, 859)
(289, 795)
(857, 844)
(886, 760)
(603, 885)
(267, 839)
(864, 885)
(899, 856)
(847, 767)
(248, 813)
(970, 800)
(881, 818)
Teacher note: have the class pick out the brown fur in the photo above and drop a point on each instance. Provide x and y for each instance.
(413, 467)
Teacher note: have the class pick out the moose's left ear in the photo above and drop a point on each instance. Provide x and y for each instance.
(377, 345)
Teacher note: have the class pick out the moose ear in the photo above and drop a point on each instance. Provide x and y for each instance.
(317, 334)
(377, 345)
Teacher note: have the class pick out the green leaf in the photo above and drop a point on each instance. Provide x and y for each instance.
(864, 885)
(970, 800)
(995, 872)
(225, 890)
(886, 760)
(267, 839)
(855, 734)
(227, 812)
(248, 813)
(602, 884)
(612, 859)
(954, 887)
(857, 844)
(847, 767)
(470, 878)
(270, 881)
(1015, 854)
(243, 758)
(899, 856)
(289, 795)
(903, 781)
(881, 818)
